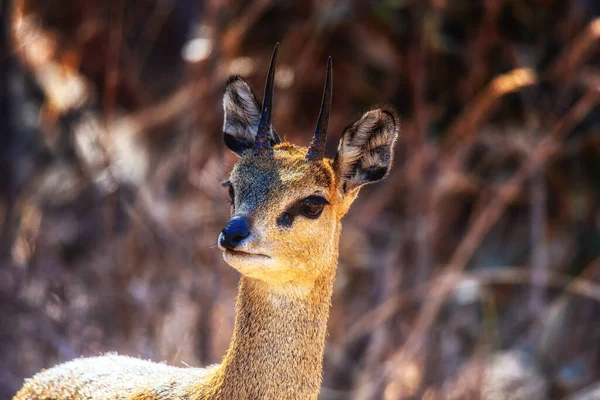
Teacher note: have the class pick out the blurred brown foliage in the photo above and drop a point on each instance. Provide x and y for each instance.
(472, 272)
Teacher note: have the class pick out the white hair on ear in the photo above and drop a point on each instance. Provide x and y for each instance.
(242, 116)
(365, 151)
(242, 111)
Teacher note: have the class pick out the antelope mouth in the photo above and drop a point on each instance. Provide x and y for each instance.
(245, 254)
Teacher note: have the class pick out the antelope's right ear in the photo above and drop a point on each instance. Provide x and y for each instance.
(242, 115)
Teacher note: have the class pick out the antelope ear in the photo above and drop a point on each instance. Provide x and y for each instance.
(366, 149)
(242, 115)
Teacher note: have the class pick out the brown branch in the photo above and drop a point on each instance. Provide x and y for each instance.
(572, 56)
(478, 110)
(489, 216)
(505, 275)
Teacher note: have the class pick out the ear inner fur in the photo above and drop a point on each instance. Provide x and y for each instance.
(365, 151)
(242, 116)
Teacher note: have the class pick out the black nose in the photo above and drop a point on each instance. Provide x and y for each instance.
(233, 234)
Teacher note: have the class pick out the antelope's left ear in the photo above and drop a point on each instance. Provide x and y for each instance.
(242, 115)
(366, 149)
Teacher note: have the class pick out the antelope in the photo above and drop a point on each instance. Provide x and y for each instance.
(287, 203)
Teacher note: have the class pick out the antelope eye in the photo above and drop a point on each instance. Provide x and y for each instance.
(312, 206)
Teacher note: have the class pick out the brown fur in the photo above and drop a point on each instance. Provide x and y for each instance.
(284, 296)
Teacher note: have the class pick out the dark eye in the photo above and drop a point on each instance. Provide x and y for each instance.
(311, 207)
(231, 194)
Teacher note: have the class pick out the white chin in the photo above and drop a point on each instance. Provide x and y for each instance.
(242, 260)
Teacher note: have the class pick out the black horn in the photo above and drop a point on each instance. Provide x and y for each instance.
(263, 133)
(316, 150)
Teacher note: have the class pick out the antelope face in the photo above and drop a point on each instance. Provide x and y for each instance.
(284, 215)
(287, 201)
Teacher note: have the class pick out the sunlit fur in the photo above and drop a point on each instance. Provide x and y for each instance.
(265, 187)
(285, 290)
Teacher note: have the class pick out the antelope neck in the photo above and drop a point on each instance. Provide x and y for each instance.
(277, 347)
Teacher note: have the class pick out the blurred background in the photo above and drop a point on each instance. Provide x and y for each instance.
(472, 272)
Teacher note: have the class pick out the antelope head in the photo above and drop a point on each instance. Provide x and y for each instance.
(287, 201)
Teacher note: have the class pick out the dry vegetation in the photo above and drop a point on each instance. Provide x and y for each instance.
(473, 272)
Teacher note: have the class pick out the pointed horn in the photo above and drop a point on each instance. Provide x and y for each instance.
(263, 133)
(316, 150)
